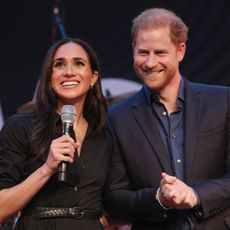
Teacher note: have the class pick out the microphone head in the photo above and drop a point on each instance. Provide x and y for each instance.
(68, 114)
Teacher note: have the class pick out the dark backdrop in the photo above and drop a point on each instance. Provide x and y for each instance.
(27, 30)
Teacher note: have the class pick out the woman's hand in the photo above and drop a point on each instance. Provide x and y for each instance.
(61, 149)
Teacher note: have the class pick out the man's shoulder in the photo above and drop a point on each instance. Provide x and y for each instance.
(127, 103)
(204, 87)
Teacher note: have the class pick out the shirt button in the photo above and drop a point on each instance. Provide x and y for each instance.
(179, 161)
(83, 166)
(75, 188)
(164, 113)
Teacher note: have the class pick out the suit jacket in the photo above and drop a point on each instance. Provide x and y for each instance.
(140, 157)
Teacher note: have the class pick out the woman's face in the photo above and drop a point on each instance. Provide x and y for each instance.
(72, 76)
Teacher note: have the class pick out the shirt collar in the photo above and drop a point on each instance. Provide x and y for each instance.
(150, 95)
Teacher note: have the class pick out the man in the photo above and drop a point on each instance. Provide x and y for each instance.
(171, 166)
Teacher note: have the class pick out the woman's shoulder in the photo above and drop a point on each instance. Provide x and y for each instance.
(20, 120)
(20, 117)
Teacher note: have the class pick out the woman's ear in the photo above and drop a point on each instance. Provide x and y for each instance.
(94, 78)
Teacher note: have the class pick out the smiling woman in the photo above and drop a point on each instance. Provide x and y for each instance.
(72, 76)
(32, 146)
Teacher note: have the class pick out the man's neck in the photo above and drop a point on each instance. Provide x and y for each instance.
(168, 96)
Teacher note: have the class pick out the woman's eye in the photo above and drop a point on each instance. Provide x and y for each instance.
(79, 63)
(58, 64)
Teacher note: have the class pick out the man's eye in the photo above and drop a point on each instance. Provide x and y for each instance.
(143, 52)
(161, 53)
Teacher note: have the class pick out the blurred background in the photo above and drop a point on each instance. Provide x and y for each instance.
(28, 28)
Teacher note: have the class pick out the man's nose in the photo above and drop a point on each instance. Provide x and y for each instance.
(151, 61)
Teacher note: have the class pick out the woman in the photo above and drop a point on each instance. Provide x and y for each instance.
(32, 146)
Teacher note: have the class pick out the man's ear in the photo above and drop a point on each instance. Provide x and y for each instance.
(181, 51)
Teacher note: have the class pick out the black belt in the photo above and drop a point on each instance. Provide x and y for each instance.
(74, 212)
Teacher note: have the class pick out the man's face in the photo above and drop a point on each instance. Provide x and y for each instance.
(156, 58)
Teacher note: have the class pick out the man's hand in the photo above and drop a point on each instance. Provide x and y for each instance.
(174, 193)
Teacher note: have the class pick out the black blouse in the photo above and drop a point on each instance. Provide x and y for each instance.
(18, 160)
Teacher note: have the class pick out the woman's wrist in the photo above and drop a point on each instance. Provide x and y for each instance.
(46, 170)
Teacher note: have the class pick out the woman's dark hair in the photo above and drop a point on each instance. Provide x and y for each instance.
(46, 103)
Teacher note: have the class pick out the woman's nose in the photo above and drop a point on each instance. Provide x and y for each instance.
(69, 70)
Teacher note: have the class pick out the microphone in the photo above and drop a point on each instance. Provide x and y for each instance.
(68, 115)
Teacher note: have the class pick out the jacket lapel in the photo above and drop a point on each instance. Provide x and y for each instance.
(146, 120)
(192, 120)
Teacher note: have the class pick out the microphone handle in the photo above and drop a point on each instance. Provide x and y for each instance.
(62, 175)
(62, 168)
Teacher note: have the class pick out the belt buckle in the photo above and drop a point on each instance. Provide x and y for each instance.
(78, 213)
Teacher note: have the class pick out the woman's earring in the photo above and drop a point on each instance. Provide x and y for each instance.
(91, 86)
